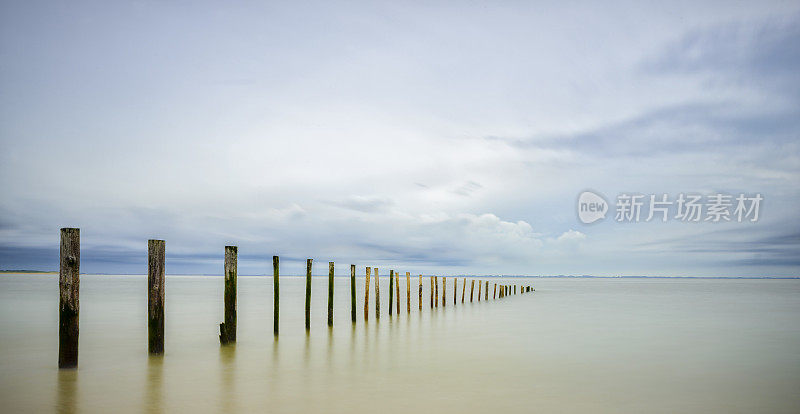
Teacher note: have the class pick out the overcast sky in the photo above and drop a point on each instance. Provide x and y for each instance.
(430, 137)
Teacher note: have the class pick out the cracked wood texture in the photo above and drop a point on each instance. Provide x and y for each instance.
(227, 329)
(68, 305)
(155, 296)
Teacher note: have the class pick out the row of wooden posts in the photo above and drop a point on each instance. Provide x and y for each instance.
(69, 280)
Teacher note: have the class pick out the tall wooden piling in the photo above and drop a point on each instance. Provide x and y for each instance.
(309, 262)
(494, 291)
(68, 302)
(455, 290)
(391, 291)
(408, 292)
(377, 296)
(353, 292)
(480, 286)
(155, 296)
(444, 290)
(420, 292)
(486, 291)
(515, 289)
(366, 295)
(227, 329)
(330, 294)
(471, 289)
(431, 292)
(397, 291)
(463, 289)
(436, 289)
(276, 287)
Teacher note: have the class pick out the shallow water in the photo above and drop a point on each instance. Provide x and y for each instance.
(575, 345)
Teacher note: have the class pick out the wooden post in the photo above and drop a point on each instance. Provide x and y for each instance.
(309, 262)
(391, 290)
(480, 285)
(155, 296)
(444, 290)
(227, 329)
(420, 292)
(408, 292)
(436, 302)
(494, 293)
(68, 302)
(463, 289)
(377, 296)
(515, 289)
(431, 292)
(276, 287)
(353, 292)
(330, 294)
(486, 291)
(455, 290)
(397, 291)
(366, 295)
(471, 289)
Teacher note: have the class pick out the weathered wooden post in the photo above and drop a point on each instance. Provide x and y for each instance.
(397, 291)
(420, 292)
(455, 290)
(391, 291)
(436, 302)
(463, 289)
(480, 285)
(444, 290)
(431, 292)
(309, 262)
(366, 295)
(408, 292)
(68, 302)
(377, 296)
(330, 294)
(155, 296)
(471, 289)
(515, 289)
(529, 289)
(353, 292)
(486, 291)
(227, 329)
(494, 291)
(276, 287)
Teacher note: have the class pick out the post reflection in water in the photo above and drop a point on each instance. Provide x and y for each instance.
(227, 362)
(154, 390)
(67, 391)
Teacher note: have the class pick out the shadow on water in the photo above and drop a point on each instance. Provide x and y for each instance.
(154, 390)
(67, 391)
(227, 362)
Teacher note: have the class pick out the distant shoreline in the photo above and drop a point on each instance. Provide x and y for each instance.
(37, 272)
(54, 272)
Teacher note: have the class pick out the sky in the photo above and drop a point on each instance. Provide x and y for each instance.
(430, 137)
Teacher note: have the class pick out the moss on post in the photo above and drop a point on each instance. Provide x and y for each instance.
(227, 329)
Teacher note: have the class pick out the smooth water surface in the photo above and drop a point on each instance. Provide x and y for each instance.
(575, 345)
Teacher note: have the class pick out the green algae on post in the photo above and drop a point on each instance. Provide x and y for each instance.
(227, 329)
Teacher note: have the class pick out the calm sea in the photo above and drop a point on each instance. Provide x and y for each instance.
(575, 345)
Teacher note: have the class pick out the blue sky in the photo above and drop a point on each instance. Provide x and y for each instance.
(434, 137)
